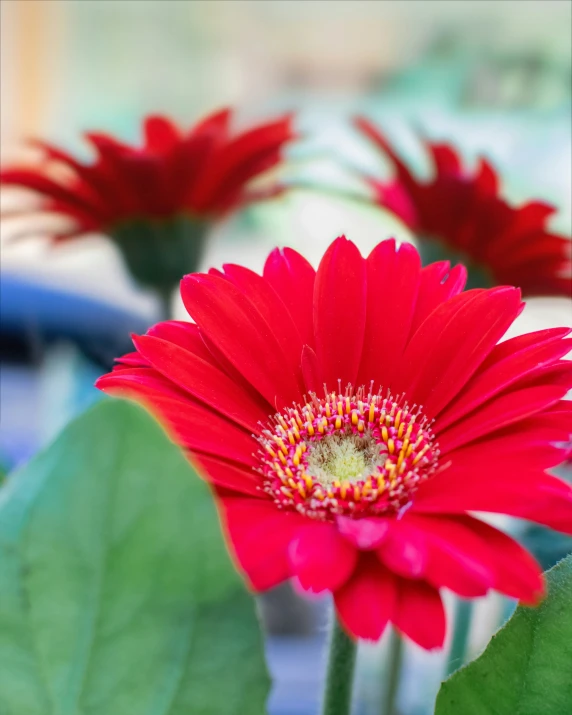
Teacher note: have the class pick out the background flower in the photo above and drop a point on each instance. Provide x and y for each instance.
(354, 418)
(461, 215)
(158, 200)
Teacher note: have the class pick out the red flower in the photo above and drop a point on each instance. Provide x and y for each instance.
(461, 215)
(353, 418)
(160, 195)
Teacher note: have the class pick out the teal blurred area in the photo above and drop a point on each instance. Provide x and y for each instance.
(494, 77)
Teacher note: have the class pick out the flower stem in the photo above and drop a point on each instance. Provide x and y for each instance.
(395, 658)
(165, 296)
(340, 676)
(461, 628)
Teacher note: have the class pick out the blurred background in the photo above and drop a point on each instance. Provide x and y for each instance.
(494, 77)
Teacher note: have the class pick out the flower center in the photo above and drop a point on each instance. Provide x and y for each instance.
(356, 453)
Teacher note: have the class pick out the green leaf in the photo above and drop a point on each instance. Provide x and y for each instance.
(117, 596)
(527, 667)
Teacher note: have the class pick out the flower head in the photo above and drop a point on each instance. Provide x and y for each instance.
(353, 418)
(156, 200)
(459, 214)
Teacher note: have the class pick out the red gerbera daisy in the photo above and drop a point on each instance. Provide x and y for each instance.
(352, 419)
(156, 201)
(462, 216)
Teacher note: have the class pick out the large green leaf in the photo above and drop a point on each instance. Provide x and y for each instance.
(117, 596)
(527, 667)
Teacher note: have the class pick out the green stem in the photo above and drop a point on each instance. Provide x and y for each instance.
(165, 296)
(335, 191)
(340, 676)
(395, 659)
(461, 629)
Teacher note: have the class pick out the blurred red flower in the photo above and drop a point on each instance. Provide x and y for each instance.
(461, 215)
(157, 200)
(353, 418)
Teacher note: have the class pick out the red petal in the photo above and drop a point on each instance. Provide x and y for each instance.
(518, 575)
(533, 441)
(486, 178)
(144, 382)
(340, 312)
(311, 370)
(184, 334)
(321, 558)
(367, 602)
(499, 374)
(161, 134)
(456, 558)
(260, 535)
(375, 135)
(238, 160)
(448, 346)
(237, 329)
(499, 412)
(392, 283)
(292, 277)
(214, 123)
(202, 380)
(192, 425)
(447, 161)
(112, 167)
(439, 282)
(272, 309)
(36, 181)
(92, 182)
(132, 360)
(420, 614)
(509, 490)
(230, 476)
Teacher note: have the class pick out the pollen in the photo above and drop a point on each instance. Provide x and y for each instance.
(355, 453)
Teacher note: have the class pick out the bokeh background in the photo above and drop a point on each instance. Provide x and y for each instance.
(495, 77)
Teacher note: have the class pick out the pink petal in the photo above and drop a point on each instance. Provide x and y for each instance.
(404, 551)
(321, 558)
(340, 312)
(364, 534)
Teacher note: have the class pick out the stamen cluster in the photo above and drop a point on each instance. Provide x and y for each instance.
(352, 453)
